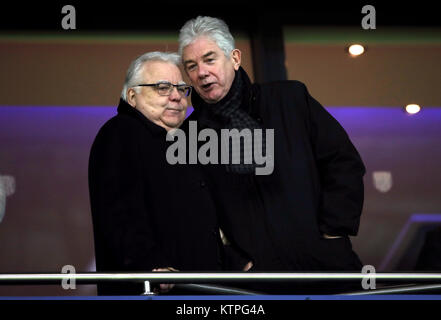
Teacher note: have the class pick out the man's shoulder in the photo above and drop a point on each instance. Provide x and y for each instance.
(292, 94)
(120, 121)
(284, 85)
(119, 127)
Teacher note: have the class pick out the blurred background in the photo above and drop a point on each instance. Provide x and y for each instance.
(58, 87)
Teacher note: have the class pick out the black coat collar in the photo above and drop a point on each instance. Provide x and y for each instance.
(210, 120)
(127, 109)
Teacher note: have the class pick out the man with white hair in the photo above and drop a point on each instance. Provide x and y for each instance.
(149, 215)
(300, 216)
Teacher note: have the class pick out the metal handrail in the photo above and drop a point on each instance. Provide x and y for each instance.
(197, 277)
(216, 289)
(406, 289)
(203, 281)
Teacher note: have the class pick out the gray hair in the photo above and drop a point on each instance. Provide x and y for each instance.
(213, 28)
(134, 76)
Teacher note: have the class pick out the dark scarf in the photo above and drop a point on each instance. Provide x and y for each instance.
(229, 113)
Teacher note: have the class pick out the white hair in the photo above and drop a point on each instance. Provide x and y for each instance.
(213, 28)
(134, 76)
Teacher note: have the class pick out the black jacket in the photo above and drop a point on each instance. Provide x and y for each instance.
(147, 213)
(316, 187)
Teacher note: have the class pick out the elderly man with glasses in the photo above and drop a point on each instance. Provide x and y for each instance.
(147, 214)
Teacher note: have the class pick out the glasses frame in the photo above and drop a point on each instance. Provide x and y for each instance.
(177, 86)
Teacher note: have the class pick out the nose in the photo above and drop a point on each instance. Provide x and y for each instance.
(202, 72)
(175, 95)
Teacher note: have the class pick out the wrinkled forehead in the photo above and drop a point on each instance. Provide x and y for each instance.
(157, 70)
(199, 48)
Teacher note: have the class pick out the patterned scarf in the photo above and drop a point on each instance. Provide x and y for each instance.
(233, 116)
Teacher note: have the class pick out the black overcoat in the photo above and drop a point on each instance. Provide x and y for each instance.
(278, 220)
(147, 213)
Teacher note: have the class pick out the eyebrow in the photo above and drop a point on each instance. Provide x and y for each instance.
(166, 81)
(209, 53)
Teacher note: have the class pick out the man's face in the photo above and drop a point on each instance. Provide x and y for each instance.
(165, 111)
(211, 73)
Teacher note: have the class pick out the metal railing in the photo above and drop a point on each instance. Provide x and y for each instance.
(204, 281)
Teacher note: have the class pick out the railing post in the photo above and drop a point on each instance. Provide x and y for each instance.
(147, 289)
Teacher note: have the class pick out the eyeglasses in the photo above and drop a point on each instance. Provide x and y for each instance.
(166, 88)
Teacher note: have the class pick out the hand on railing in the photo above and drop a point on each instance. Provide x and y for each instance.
(248, 266)
(164, 287)
(327, 236)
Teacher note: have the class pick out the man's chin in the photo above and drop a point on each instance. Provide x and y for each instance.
(174, 123)
(211, 98)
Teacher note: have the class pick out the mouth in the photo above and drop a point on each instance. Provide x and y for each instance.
(207, 86)
(175, 110)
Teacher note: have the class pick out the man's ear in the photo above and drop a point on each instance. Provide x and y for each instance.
(131, 97)
(236, 57)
